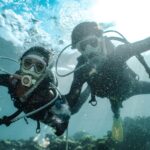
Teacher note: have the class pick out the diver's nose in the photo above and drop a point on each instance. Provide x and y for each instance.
(32, 68)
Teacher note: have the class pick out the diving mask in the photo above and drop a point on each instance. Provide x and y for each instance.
(35, 62)
(89, 45)
(32, 67)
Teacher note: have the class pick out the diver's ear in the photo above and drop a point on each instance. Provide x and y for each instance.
(19, 60)
(51, 58)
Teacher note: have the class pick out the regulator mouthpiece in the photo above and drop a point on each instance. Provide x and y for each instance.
(27, 80)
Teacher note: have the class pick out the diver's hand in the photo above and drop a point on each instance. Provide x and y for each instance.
(60, 128)
(5, 120)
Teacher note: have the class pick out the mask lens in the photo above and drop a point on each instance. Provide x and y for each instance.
(27, 63)
(39, 67)
(91, 41)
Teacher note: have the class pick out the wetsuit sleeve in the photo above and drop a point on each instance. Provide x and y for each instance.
(126, 51)
(4, 80)
(76, 87)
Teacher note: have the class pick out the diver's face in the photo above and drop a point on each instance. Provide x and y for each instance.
(33, 65)
(90, 45)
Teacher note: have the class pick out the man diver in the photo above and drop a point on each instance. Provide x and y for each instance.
(33, 90)
(103, 66)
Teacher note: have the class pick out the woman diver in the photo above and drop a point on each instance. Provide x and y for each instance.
(33, 90)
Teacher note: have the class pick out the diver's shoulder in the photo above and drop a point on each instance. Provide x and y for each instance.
(81, 59)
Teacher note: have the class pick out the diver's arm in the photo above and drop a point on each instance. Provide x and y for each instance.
(4, 79)
(126, 51)
(73, 97)
(82, 99)
(74, 93)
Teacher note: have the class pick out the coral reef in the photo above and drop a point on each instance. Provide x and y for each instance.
(136, 137)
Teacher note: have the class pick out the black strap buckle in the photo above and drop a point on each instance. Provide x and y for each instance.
(93, 101)
(38, 128)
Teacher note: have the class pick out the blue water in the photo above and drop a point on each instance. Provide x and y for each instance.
(57, 18)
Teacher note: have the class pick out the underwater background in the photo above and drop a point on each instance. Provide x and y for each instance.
(48, 23)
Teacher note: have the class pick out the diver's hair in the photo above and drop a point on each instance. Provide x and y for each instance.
(83, 30)
(37, 50)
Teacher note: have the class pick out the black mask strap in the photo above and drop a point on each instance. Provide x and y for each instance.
(38, 128)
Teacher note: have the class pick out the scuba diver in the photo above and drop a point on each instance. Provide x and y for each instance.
(103, 66)
(33, 90)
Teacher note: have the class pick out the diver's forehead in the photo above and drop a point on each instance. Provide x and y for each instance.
(88, 38)
(34, 56)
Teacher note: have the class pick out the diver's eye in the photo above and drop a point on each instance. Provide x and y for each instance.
(39, 67)
(27, 63)
(83, 46)
(94, 42)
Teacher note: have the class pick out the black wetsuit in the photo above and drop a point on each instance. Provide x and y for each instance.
(39, 97)
(112, 79)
